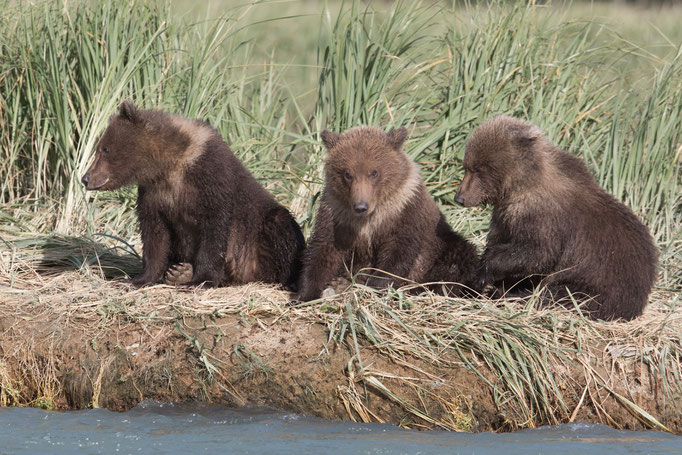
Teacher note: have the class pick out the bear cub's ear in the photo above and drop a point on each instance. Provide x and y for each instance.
(330, 139)
(527, 135)
(128, 111)
(396, 137)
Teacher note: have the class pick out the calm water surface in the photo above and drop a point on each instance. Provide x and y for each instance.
(160, 428)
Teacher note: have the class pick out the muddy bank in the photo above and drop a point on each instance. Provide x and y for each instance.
(284, 364)
(74, 344)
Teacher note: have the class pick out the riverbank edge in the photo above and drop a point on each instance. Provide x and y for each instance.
(62, 360)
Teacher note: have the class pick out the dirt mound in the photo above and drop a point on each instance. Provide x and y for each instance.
(73, 341)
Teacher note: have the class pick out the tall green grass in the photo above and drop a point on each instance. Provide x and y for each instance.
(438, 71)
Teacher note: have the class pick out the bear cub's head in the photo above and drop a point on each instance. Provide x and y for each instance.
(122, 156)
(364, 167)
(500, 156)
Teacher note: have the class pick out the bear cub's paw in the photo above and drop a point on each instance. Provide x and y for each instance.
(179, 274)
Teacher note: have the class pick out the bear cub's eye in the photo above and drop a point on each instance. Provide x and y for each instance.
(347, 176)
(105, 150)
(374, 174)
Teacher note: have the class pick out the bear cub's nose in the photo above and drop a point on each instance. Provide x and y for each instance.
(459, 199)
(85, 179)
(360, 207)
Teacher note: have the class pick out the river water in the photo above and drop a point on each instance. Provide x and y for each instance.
(161, 428)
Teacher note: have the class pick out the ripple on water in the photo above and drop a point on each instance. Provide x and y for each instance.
(166, 428)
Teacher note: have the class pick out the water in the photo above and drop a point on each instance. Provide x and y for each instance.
(159, 428)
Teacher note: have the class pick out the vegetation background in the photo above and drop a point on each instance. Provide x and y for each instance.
(603, 80)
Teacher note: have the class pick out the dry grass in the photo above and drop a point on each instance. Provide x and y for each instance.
(538, 360)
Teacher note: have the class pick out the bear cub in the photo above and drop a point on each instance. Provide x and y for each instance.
(552, 225)
(375, 212)
(197, 204)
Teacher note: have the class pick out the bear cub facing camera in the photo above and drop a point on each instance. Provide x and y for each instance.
(197, 204)
(552, 225)
(375, 212)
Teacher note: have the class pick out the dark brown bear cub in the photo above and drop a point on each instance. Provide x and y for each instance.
(552, 225)
(197, 203)
(376, 212)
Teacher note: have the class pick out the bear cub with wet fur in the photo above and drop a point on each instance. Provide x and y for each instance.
(552, 225)
(197, 204)
(376, 212)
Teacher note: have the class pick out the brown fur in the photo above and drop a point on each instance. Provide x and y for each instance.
(197, 203)
(376, 212)
(552, 225)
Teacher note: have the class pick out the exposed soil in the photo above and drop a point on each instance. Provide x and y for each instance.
(286, 365)
(290, 365)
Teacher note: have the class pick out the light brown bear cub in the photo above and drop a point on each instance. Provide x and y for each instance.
(552, 225)
(376, 212)
(197, 204)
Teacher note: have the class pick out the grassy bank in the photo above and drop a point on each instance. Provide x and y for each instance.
(71, 340)
(270, 77)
